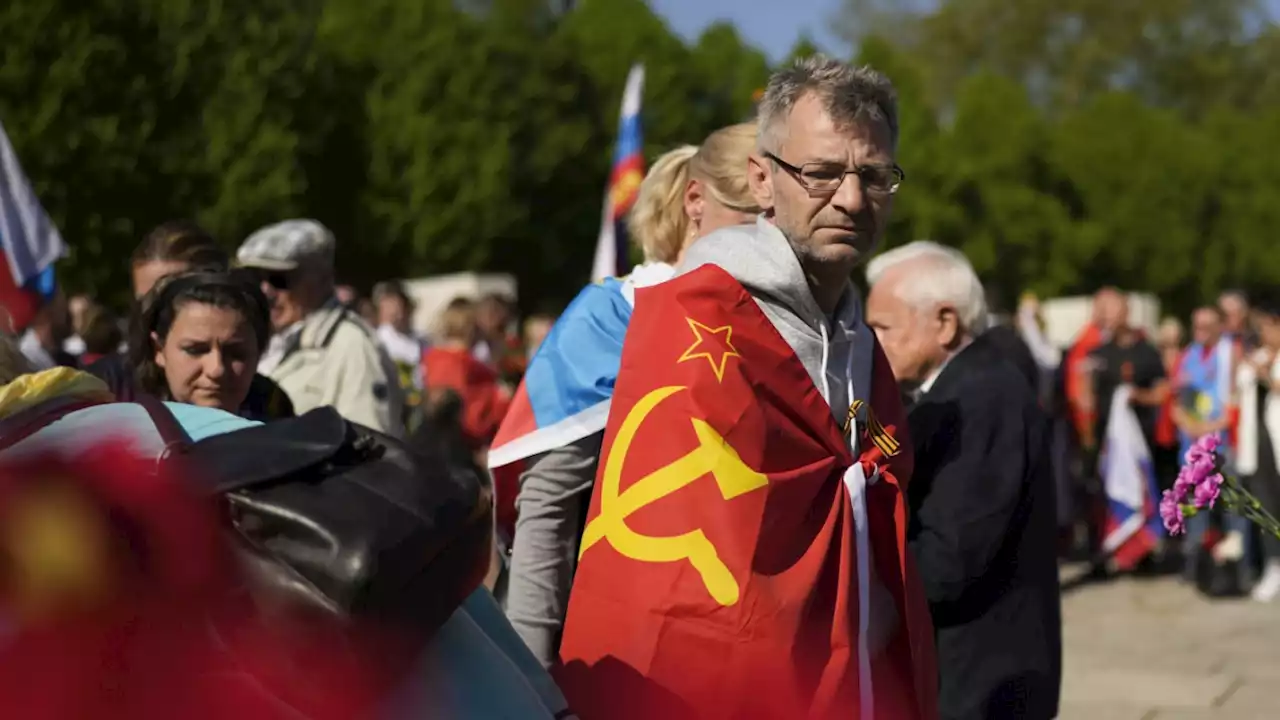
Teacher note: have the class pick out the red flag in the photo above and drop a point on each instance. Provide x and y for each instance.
(718, 574)
(121, 600)
(1090, 339)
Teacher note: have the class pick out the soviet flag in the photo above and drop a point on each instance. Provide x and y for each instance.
(744, 555)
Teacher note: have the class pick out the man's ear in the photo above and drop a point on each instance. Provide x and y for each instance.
(761, 180)
(949, 331)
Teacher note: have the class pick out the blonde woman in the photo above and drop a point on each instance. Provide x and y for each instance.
(550, 439)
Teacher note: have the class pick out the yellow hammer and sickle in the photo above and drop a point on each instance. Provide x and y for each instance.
(713, 455)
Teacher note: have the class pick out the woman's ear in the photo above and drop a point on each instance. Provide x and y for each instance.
(158, 346)
(694, 203)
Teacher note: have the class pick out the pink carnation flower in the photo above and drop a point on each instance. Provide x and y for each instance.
(1171, 514)
(1207, 491)
(1204, 449)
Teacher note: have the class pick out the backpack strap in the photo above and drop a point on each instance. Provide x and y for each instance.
(175, 438)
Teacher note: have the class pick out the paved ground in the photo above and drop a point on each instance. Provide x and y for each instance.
(1152, 649)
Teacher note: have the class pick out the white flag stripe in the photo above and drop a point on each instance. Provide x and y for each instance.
(31, 242)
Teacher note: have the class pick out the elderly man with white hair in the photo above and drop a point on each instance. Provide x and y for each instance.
(982, 502)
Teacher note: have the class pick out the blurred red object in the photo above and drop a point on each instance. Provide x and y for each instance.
(484, 402)
(121, 599)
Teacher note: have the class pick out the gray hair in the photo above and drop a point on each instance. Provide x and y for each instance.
(942, 275)
(850, 95)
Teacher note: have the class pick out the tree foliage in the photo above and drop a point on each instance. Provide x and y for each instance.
(1061, 144)
(1079, 143)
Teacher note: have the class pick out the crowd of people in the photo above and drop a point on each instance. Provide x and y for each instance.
(1179, 388)
(268, 335)
(727, 484)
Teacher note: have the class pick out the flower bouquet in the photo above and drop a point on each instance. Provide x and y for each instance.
(1201, 484)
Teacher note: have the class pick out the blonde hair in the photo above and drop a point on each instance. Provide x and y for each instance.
(658, 221)
(458, 320)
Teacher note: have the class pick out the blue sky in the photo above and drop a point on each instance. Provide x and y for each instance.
(772, 25)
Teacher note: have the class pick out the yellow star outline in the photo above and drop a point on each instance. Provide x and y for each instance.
(699, 339)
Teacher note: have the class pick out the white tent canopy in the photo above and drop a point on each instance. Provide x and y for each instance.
(432, 294)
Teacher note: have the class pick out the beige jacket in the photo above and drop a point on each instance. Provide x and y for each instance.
(336, 360)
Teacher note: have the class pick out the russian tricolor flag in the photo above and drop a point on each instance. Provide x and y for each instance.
(29, 239)
(624, 183)
(1133, 529)
(568, 387)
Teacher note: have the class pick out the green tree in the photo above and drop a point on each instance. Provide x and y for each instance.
(1183, 53)
(1145, 184)
(608, 37)
(78, 100)
(732, 72)
(253, 64)
(804, 47)
(480, 152)
(1245, 189)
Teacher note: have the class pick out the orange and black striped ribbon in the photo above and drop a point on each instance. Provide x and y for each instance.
(887, 444)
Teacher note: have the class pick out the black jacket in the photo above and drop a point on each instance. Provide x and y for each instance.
(1013, 348)
(983, 534)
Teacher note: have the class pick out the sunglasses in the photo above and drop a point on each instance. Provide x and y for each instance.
(277, 280)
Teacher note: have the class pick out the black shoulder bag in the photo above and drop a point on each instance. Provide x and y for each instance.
(348, 518)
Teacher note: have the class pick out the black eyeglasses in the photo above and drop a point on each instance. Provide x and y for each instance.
(825, 177)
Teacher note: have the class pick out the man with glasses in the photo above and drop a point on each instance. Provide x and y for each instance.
(321, 353)
(775, 456)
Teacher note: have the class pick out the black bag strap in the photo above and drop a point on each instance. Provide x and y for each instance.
(266, 453)
(175, 438)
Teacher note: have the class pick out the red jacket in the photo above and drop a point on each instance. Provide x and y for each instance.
(484, 401)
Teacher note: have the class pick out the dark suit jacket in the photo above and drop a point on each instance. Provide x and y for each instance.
(983, 534)
(1013, 348)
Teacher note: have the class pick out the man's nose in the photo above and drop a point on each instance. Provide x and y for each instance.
(849, 196)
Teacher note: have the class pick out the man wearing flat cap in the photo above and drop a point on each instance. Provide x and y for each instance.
(320, 353)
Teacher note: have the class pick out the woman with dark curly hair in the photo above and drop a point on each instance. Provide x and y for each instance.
(198, 338)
